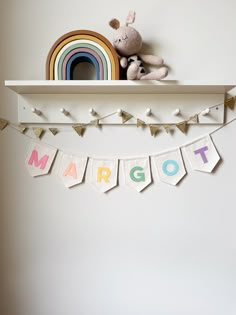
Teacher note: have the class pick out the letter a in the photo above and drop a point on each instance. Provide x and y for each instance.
(71, 171)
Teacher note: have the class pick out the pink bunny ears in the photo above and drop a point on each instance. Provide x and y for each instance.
(114, 23)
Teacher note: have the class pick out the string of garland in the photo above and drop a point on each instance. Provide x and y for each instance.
(154, 128)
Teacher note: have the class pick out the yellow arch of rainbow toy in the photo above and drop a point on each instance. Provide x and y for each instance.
(82, 35)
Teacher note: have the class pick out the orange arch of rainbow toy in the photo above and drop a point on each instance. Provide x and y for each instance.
(79, 46)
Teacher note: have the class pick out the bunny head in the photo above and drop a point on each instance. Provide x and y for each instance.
(126, 39)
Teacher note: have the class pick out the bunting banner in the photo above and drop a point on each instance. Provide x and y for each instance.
(137, 173)
(72, 169)
(170, 166)
(202, 154)
(104, 174)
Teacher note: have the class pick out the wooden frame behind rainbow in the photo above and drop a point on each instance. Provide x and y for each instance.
(80, 46)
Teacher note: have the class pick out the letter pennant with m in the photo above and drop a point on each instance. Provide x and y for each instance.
(40, 158)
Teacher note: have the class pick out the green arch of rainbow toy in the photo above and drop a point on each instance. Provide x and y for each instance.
(79, 46)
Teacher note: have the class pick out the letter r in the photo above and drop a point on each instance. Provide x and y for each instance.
(103, 173)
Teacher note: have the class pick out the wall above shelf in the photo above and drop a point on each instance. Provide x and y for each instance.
(116, 87)
(71, 101)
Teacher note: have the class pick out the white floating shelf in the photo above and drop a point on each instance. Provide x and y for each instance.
(116, 87)
(49, 97)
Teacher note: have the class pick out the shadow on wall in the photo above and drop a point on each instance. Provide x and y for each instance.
(8, 302)
(9, 296)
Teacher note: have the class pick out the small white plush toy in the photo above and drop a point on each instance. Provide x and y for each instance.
(128, 43)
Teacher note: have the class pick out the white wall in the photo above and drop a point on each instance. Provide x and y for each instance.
(169, 250)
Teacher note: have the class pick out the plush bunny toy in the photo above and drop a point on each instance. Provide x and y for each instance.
(128, 42)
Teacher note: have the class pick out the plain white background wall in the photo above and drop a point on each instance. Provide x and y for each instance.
(169, 250)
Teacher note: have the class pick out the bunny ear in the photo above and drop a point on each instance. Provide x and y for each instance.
(114, 23)
(130, 18)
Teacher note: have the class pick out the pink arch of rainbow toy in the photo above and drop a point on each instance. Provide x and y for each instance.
(93, 53)
(82, 34)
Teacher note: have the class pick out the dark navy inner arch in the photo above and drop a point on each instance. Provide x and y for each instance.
(78, 58)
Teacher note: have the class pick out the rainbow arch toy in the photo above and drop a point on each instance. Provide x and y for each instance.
(82, 46)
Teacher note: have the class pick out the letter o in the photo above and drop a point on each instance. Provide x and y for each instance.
(175, 167)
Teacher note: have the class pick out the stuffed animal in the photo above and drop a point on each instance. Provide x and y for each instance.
(128, 43)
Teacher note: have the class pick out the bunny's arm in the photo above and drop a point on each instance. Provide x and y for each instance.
(151, 59)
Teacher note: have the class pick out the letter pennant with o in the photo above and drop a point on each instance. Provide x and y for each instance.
(170, 166)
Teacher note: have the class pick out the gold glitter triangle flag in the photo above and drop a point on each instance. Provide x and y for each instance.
(80, 129)
(140, 123)
(230, 103)
(38, 132)
(182, 126)
(194, 118)
(22, 128)
(95, 122)
(54, 131)
(153, 129)
(167, 128)
(125, 117)
(3, 123)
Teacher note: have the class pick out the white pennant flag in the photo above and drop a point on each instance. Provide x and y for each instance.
(137, 173)
(40, 158)
(72, 169)
(170, 166)
(202, 154)
(104, 174)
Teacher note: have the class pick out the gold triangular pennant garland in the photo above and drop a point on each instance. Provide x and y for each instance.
(230, 103)
(153, 129)
(140, 123)
(194, 118)
(3, 123)
(80, 129)
(95, 122)
(22, 128)
(167, 128)
(182, 126)
(38, 132)
(54, 131)
(125, 117)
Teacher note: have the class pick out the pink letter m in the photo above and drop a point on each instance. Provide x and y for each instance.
(34, 159)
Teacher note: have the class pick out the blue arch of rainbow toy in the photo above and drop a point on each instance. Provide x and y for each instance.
(81, 57)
